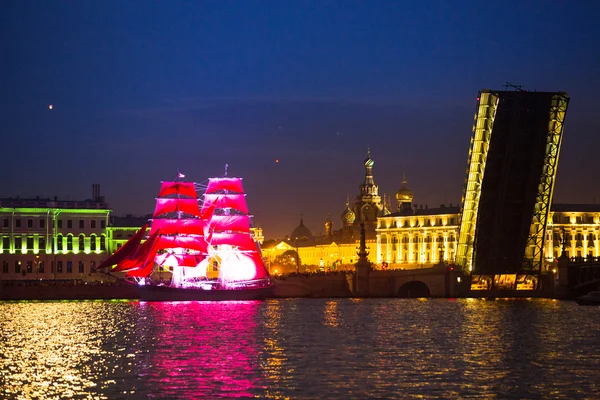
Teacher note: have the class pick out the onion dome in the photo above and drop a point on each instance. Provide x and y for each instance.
(404, 194)
(328, 226)
(348, 216)
(328, 222)
(369, 161)
(301, 232)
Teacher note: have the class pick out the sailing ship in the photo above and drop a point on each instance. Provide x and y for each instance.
(195, 252)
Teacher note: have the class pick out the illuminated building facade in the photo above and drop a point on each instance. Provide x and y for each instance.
(419, 237)
(427, 236)
(53, 239)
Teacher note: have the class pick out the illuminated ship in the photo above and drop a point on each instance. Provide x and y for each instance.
(208, 252)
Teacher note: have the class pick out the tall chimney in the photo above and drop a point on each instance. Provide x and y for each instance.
(96, 191)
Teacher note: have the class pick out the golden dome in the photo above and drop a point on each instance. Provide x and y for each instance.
(404, 194)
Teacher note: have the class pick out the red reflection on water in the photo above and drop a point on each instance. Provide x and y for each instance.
(202, 349)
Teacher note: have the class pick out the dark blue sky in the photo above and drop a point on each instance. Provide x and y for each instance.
(141, 89)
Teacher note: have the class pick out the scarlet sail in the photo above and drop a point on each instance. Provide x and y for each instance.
(126, 250)
(171, 205)
(177, 188)
(236, 201)
(217, 185)
(239, 223)
(199, 247)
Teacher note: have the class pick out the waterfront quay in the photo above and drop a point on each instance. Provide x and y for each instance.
(439, 281)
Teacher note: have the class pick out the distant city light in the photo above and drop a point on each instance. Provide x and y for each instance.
(50, 107)
(277, 160)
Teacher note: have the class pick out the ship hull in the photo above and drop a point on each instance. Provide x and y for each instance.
(165, 293)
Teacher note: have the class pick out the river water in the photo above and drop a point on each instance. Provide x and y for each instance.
(300, 349)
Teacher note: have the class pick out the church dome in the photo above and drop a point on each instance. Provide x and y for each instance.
(328, 222)
(369, 161)
(404, 194)
(348, 216)
(301, 232)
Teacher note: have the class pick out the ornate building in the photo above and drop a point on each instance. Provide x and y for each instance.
(367, 205)
(337, 248)
(53, 239)
(420, 237)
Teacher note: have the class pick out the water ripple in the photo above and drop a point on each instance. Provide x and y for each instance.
(300, 348)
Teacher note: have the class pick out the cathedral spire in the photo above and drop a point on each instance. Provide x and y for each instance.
(369, 188)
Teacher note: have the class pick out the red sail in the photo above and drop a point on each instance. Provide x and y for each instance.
(126, 265)
(168, 226)
(236, 201)
(239, 223)
(182, 188)
(261, 271)
(207, 211)
(216, 185)
(126, 250)
(143, 272)
(170, 205)
(189, 260)
(242, 240)
(145, 257)
(187, 242)
(140, 255)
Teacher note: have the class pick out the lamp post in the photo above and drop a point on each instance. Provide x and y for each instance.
(37, 267)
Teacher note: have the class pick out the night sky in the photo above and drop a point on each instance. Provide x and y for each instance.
(142, 89)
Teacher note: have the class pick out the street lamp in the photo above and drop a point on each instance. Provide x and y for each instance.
(37, 267)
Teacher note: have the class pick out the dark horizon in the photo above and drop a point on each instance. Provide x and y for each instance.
(141, 90)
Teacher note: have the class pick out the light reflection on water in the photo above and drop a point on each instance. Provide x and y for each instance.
(300, 348)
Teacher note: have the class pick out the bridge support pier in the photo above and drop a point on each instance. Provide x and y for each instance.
(361, 287)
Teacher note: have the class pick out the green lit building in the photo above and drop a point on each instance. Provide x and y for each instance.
(44, 238)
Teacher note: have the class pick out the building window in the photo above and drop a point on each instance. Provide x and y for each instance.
(18, 222)
(42, 223)
(69, 224)
(6, 243)
(59, 267)
(29, 244)
(81, 242)
(6, 222)
(5, 267)
(81, 224)
(93, 223)
(69, 267)
(70, 243)
(92, 266)
(102, 243)
(81, 267)
(41, 243)
(93, 242)
(18, 267)
(30, 223)
(18, 243)
(59, 242)
(41, 267)
(119, 246)
(29, 267)
(578, 220)
(102, 224)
